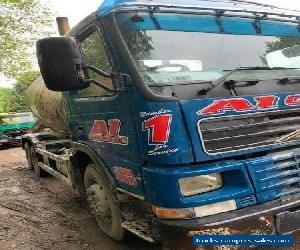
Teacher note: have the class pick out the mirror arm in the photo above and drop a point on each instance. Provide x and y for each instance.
(101, 85)
(98, 71)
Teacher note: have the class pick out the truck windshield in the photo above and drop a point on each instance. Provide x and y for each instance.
(172, 49)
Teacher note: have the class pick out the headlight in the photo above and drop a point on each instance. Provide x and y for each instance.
(199, 184)
(195, 212)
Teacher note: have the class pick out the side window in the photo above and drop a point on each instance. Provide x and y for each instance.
(95, 54)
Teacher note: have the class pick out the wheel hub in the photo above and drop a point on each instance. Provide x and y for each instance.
(99, 202)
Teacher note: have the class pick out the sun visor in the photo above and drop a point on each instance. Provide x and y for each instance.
(206, 23)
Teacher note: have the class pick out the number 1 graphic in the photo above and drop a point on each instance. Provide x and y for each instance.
(158, 129)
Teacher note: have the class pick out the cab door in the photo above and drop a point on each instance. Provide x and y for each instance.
(101, 119)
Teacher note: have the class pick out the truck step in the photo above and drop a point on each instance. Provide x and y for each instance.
(140, 228)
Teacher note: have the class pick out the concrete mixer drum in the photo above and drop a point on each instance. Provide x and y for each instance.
(47, 106)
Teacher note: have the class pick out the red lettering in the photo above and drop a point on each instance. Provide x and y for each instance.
(99, 132)
(221, 106)
(159, 128)
(114, 127)
(292, 100)
(266, 102)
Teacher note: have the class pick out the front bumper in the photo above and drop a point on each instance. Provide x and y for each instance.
(281, 216)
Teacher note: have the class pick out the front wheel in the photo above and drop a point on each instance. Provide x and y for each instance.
(103, 203)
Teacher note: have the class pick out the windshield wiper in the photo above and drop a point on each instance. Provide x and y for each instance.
(223, 79)
(216, 83)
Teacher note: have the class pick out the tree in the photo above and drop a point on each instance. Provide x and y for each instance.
(22, 23)
(5, 95)
(140, 44)
(18, 100)
(282, 43)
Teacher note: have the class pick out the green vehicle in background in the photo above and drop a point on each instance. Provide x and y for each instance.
(13, 126)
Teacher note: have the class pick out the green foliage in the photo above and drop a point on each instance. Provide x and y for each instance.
(95, 53)
(10, 1)
(5, 95)
(139, 43)
(282, 43)
(22, 23)
(18, 101)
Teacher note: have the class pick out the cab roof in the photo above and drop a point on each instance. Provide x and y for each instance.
(109, 6)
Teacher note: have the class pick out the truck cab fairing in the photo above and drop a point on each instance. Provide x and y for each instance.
(183, 108)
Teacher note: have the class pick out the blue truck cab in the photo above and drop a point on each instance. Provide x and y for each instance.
(183, 117)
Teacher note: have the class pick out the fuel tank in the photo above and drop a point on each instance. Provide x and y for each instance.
(47, 106)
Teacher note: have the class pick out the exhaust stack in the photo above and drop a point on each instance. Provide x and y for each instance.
(63, 25)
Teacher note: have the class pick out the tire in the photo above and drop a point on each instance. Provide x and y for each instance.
(103, 203)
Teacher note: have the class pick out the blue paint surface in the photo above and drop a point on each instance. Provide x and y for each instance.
(191, 107)
(110, 5)
(161, 184)
(206, 23)
(274, 177)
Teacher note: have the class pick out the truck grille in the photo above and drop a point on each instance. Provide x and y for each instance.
(277, 176)
(233, 133)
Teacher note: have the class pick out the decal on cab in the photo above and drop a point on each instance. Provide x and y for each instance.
(243, 105)
(108, 131)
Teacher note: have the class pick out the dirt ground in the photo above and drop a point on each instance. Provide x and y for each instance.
(44, 213)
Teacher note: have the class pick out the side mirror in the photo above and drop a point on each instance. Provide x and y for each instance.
(61, 62)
